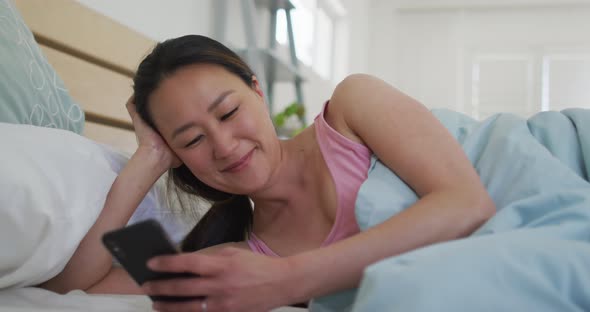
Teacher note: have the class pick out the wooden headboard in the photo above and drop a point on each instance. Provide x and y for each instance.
(96, 58)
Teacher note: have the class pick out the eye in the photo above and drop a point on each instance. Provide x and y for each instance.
(194, 141)
(226, 116)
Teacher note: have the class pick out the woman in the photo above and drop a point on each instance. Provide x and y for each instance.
(199, 112)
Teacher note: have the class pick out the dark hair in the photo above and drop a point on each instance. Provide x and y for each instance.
(230, 217)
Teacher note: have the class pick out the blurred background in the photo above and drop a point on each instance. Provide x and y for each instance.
(475, 56)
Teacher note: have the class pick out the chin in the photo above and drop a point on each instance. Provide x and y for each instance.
(251, 188)
(252, 185)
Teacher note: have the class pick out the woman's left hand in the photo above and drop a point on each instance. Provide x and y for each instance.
(231, 279)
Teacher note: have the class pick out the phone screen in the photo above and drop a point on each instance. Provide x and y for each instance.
(135, 244)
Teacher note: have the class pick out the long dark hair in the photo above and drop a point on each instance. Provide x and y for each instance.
(230, 217)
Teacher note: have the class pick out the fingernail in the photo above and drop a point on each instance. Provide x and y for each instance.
(151, 263)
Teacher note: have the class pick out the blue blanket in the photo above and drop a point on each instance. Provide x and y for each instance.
(533, 255)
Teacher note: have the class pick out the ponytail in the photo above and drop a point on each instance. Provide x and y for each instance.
(226, 221)
(229, 218)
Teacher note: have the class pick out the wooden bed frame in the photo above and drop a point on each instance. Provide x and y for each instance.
(96, 57)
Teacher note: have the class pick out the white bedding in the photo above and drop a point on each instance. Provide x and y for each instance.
(48, 201)
(37, 299)
(30, 299)
(53, 184)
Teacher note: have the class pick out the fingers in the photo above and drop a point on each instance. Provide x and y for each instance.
(209, 304)
(130, 100)
(197, 286)
(229, 251)
(182, 306)
(188, 262)
(132, 111)
(130, 105)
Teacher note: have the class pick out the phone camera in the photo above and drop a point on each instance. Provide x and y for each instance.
(118, 251)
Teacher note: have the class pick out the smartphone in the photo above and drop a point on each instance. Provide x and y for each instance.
(135, 244)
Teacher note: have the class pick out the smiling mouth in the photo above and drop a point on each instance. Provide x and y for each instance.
(240, 164)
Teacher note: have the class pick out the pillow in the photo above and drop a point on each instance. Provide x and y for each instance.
(53, 184)
(156, 205)
(30, 90)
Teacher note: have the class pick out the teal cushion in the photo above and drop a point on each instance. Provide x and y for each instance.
(31, 92)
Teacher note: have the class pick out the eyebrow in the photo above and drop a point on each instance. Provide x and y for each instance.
(218, 100)
(211, 107)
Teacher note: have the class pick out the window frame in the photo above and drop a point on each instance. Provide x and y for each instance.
(335, 12)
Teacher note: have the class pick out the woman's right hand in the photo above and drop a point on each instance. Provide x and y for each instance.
(148, 139)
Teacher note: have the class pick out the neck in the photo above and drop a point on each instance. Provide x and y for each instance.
(293, 179)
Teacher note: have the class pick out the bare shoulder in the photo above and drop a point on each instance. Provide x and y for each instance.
(357, 98)
(216, 248)
(338, 106)
(361, 94)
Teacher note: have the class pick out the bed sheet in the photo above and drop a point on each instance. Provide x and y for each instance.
(31, 299)
(532, 255)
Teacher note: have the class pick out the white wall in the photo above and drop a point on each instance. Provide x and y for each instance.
(447, 4)
(157, 19)
(429, 50)
(359, 21)
(161, 20)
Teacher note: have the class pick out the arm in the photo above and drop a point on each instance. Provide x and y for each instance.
(91, 262)
(405, 136)
(118, 281)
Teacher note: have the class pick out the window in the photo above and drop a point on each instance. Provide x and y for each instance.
(313, 30)
(524, 84)
(502, 83)
(566, 81)
(322, 60)
(303, 28)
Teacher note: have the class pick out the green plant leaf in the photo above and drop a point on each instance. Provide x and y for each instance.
(279, 119)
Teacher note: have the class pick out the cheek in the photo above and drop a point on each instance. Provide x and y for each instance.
(260, 125)
(196, 161)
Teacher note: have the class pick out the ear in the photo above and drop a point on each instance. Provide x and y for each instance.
(256, 86)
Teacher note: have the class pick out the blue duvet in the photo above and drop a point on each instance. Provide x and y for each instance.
(533, 255)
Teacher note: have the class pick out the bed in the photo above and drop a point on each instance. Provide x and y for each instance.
(532, 255)
(65, 133)
(91, 54)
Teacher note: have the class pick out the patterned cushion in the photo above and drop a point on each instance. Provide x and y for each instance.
(31, 92)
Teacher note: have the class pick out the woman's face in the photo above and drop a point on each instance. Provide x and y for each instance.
(218, 126)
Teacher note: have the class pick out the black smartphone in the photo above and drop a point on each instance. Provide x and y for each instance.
(135, 244)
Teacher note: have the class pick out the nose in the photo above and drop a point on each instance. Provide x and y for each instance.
(224, 143)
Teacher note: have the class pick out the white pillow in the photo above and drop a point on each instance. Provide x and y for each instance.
(53, 184)
(175, 221)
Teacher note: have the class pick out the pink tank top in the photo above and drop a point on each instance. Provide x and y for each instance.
(348, 163)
